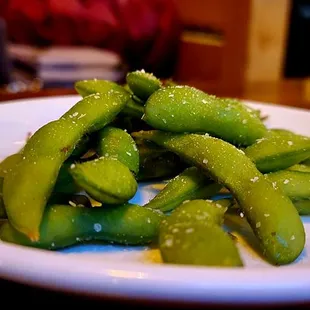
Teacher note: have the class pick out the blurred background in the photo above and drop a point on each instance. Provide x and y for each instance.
(252, 49)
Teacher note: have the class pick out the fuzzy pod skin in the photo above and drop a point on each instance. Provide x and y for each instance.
(143, 84)
(279, 149)
(192, 235)
(189, 184)
(6, 166)
(187, 109)
(117, 143)
(299, 167)
(106, 180)
(302, 206)
(95, 86)
(8, 163)
(3, 214)
(64, 225)
(295, 184)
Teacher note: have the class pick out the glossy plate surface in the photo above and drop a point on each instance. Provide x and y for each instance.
(137, 272)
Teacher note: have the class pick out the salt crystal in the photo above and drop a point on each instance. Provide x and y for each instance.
(254, 179)
(97, 227)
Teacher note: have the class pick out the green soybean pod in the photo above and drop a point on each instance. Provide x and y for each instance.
(6, 166)
(271, 214)
(189, 184)
(278, 150)
(3, 214)
(200, 244)
(244, 105)
(295, 184)
(105, 179)
(201, 210)
(8, 163)
(64, 225)
(300, 167)
(64, 182)
(192, 235)
(302, 206)
(115, 142)
(27, 189)
(143, 84)
(187, 109)
(93, 86)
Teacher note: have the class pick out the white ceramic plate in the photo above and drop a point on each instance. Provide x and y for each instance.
(137, 272)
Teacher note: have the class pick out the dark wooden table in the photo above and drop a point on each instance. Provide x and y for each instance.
(294, 93)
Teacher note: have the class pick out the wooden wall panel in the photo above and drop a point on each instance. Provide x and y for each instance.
(222, 64)
(204, 13)
(267, 39)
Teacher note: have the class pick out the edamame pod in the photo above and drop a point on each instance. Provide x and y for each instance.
(295, 184)
(117, 143)
(189, 184)
(201, 244)
(271, 214)
(192, 235)
(201, 210)
(64, 182)
(105, 179)
(93, 86)
(187, 109)
(142, 84)
(302, 206)
(63, 226)
(27, 189)
(6, 166)
(8, 163)
(278, 150)
(244, 105)
(3, 214)
(300, 167)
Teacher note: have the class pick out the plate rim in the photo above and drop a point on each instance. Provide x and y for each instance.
(12, 254)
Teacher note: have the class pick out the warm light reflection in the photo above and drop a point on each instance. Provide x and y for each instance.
(127, 274)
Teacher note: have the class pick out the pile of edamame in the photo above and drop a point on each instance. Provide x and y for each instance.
(73, 180)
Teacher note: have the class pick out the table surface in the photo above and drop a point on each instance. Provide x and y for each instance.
(291, 92)
(294, 93)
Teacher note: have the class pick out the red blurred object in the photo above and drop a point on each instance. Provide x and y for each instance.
(144, 33)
